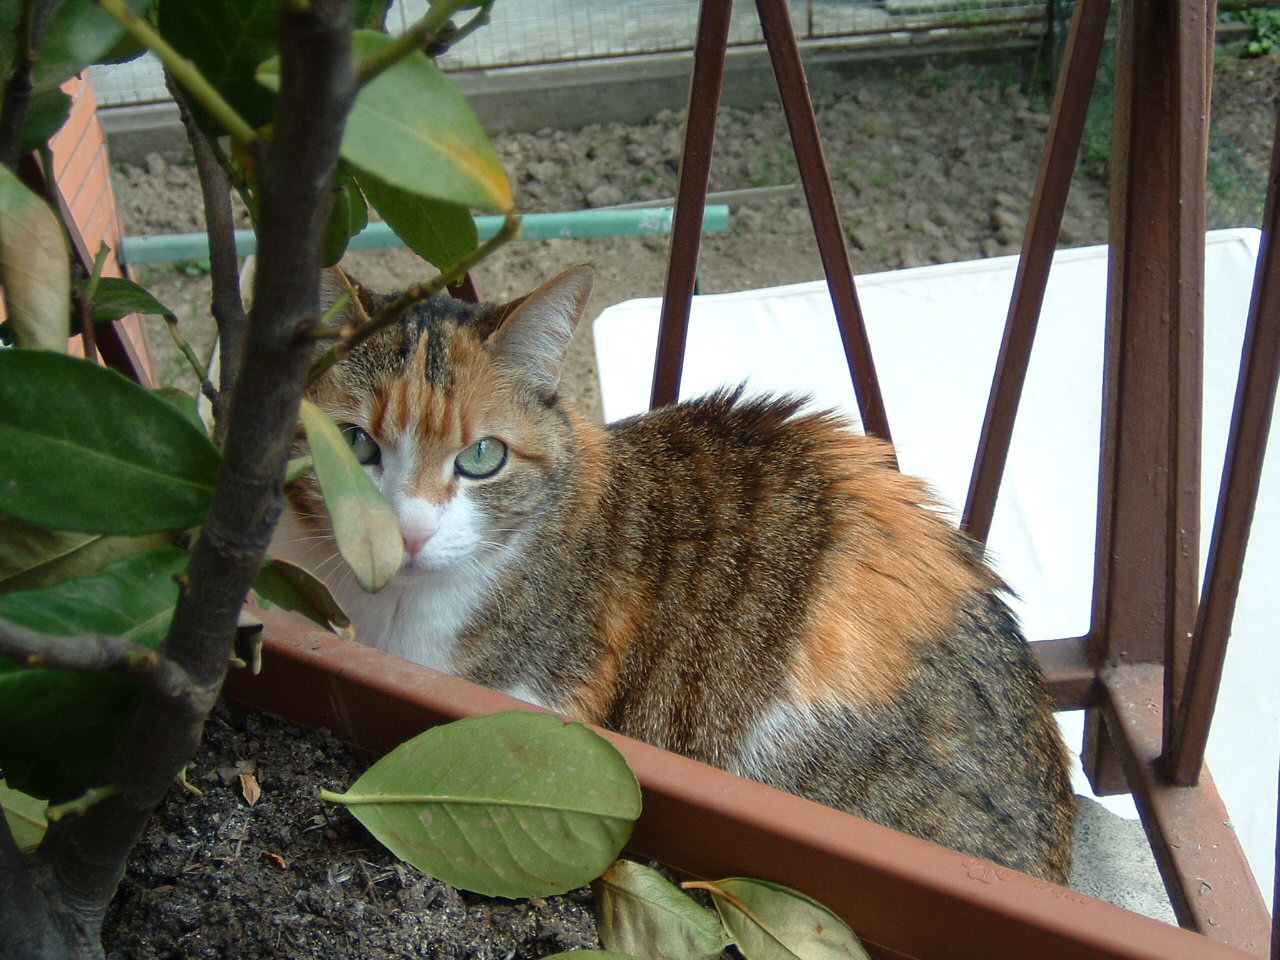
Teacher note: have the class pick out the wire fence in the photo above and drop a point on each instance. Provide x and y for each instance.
(529, 32)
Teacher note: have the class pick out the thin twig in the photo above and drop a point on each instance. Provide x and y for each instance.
(418, 36)
(87, 331)
(226, 302)
(393, 310)
(188, 354)
(94, 653)
(451, 37)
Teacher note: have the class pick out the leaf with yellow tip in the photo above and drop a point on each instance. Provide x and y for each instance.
(411, 128)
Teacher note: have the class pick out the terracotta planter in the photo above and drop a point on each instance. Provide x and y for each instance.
(905, 897)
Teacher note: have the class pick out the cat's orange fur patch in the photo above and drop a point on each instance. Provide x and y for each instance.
(621, 612)
(876, 602)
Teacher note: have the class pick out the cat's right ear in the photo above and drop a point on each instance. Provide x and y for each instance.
(534, 335)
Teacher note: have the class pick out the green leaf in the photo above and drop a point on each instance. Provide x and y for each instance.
(184, 403)
(284, 584)
(46, 113)
(33, 267)
(79, 33)
(411, 128)
(117, 297)
(350, 215)
(364, 526)
(440, 233)
(32, 557)
(509, 805)
(25, 816)
(57, 728)
(82, 448)
(768, 921)
(589, 955)
(226, 40)
(641, 912)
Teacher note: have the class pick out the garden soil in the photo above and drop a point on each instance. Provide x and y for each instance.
(928, 167)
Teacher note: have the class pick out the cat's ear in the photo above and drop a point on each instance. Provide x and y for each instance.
(334, 282)
(534, 333)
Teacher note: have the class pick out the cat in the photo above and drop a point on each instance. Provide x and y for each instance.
(732, 579)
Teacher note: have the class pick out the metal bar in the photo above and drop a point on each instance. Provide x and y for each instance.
(1237, 497)
(775, 19)
(691, 194)
(1210, 883)
(1195, 33)
(1148, 506)
(1067, 671)
(1062, 144)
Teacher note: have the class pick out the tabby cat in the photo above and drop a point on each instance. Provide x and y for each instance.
(732, 579)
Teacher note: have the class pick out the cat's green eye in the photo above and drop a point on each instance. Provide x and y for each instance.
(482, 459)
(362, 445)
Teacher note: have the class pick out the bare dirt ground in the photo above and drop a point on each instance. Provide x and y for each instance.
(928, 167)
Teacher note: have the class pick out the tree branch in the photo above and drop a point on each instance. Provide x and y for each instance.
(227, 303)
(26, 925)
(93, 652)
(418, 36)
(296, 171)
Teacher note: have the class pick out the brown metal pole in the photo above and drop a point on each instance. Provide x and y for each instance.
(1148, 507)
(1237, 498)
(1210, 882)
(691, 198)
(775, 19)
(1070, 107)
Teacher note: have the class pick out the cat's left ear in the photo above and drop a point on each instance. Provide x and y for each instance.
(534, 336)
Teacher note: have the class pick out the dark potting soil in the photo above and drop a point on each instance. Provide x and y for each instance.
(290, 876)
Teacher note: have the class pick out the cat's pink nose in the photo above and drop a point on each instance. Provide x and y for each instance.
(413, 544)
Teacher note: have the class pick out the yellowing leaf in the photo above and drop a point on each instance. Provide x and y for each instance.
(33, 557)
(33, 267)
(364, 526)
(249, 788)
(641, 912)
(768, 921)
(411, 128)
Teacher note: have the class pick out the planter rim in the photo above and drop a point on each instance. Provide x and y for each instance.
(905, 897)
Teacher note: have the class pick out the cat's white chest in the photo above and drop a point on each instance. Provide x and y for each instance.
(417, 616)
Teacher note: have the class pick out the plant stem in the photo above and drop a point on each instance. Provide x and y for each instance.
(392, 311)
(186, 72)
(92, 653)
(450, 38)
(85, 303)
(413, 39)
(227, 301)
(188, 354)
(17, 91)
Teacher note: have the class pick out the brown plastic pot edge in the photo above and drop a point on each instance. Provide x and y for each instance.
(904, 896)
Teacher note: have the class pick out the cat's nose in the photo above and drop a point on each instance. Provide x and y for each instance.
(412, 544)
